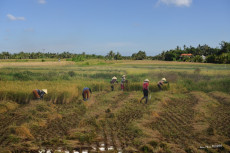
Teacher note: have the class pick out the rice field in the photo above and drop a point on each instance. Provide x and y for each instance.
(189, 114)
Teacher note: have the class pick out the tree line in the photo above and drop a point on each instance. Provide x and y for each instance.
(201, 53)
(72, 56)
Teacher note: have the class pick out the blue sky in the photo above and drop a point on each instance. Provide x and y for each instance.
(98, 26)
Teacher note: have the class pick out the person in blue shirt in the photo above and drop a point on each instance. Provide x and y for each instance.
(85, 93)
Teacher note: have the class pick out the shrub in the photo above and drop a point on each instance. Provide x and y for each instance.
(71, 73)
(147, 148)
(153, 143)
(23, 76)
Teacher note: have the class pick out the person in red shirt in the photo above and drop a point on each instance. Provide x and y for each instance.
(123, 83)
(145, 91)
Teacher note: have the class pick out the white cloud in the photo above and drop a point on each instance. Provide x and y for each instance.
(13, 18)
(42, 1)
(186, 3)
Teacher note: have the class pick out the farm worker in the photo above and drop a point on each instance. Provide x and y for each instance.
(145, 91)
(85, 93)
(161, 82)
(112, 82)
(123, 82)
(38, 94)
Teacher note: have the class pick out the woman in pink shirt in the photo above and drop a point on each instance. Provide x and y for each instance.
(145, 91)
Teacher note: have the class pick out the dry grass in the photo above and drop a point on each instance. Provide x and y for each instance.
(7, 106)
(174, 120)
(35, 64)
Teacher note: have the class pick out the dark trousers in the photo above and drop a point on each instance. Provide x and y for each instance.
(159, 86)
(146, 93)
(112, 87)
(85, 94)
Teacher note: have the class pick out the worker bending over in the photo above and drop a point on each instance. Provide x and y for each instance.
(38, 94)
(161, 83)
(85, 93)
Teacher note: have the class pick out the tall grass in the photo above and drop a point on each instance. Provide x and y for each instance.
(65, 82)
(58, 91)
(21, 91)
(207, 86)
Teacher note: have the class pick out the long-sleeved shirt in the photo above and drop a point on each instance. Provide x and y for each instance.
(113, 81)
(145, 85)
(41, 93)
(86, 88)
(122, 80)
(161, 82)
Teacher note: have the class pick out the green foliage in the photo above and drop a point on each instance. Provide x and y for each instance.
(170, 56)
(110, 55)
(225, 47)
(78, 58)
(72, 73)
(23, 76)
(207, 86)
(118, 56)
(213, 55)
(141, 55)
(211, 58)
(197, 58)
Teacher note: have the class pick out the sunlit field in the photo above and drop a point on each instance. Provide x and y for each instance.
(191, 112)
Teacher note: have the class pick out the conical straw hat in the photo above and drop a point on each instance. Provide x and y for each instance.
(45, 90)
(114, 78)
(146, 80)
(163, 79)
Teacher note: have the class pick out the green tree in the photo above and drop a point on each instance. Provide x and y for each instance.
(111, 55)
(197, 58)
(225, 47)
(211, 58)
(170, 56)
(118, 56)
(139, 56)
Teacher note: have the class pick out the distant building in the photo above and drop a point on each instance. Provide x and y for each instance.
(185, 55)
